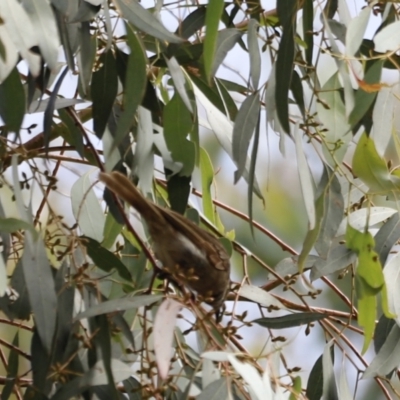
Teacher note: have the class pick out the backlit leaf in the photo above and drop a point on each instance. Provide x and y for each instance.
(213, 15)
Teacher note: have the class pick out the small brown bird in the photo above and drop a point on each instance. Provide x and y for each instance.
(191, 255)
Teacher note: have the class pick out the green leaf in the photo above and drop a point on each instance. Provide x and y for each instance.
(290, 320)
(296, 87)
(329, 385)
(213, 15)
(192, 23)
(313, 234)
(121, 304)
(333, 213)
(11, 225)
(12, 102)
(12, 370)
(332, 113)
(245, 123)
(74, 137)
(215, 390)
(179, 81)
(103, 91)
(308, 28)
(252, 174)
(135, 83)
(21, 307)
(105, 259)
(388, 355)
(207, 177)
(364, 99)
(41, 290)
(356, 30)
(177, 126)
(337, 259)
(103, 341)
(284, 64)
(178, 192)
(254, 53)
(226, 39)
(306, 182)
(48, 114)
(382, 331)
(111, 231)
(144, 20)
(315, 381)
(86, 208)
(86, 57)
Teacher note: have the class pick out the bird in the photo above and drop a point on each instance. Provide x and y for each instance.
(190, 254)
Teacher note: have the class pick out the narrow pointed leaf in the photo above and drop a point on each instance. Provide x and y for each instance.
(135, 83)
(245, 123)
(121, 304)
(12, 101)
(226, 39)
(290, 320)
(144, 20)
(103, 91)
(213, 15)
(41, 290)
(254, 53)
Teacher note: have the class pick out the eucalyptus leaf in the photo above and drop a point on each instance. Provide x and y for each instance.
(216, 390)
(40, 286)
(388, 357)
(243, 131)
(226, 39)
(254, 53)
(87, 209)
(290, 320)
(12, 101)
(46, 33)
(121, 304)
(105, 259)
(213, 15)
(144, 20)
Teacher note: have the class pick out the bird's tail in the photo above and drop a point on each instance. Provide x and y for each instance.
(126, 190)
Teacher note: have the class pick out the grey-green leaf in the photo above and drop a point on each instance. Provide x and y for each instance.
(135, 84)
(12, 101)
(40, 286)
(333, 213)
(120, 304)
(245, 123)
(254, 52)
(388, 357)
(338, 258)
(226, 39)
(387, 236)
(215, 391)
(144, 20)
(290, 320)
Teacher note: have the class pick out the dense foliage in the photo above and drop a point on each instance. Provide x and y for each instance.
(144, 88)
